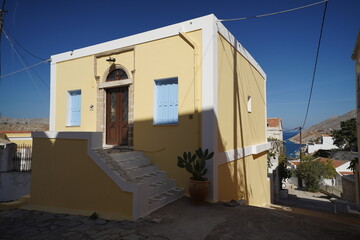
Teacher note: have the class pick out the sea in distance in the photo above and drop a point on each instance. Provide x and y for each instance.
(292, 149)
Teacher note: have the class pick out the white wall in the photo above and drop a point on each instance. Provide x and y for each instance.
(343, 168)
(327, 144)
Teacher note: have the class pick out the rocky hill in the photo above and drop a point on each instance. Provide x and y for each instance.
(20, 125)
(323, 127)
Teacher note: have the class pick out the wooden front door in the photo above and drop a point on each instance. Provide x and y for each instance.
(117, 116)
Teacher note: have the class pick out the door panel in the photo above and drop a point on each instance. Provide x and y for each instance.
(117, 116)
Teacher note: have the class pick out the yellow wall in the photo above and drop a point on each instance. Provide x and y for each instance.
(237, 128)
(252, 184)
(76, 74)
(64, 177)
(125, 59)
(20, 135)
(163, 58)
(170, 57)
(238, 79)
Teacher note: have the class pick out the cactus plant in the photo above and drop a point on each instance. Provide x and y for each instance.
(195, 163)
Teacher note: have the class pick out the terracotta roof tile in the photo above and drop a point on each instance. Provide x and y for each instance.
(335, 163)
(296, 163)
(273, 122)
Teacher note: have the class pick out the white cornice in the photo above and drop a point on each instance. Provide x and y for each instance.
(164, 32)
(233, 155)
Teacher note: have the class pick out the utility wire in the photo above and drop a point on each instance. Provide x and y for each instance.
(46, 84)
(22, 62)
(30, 53)
(9, 74)
(274, 13)
(315, 65)
(2, 11)
(3, 5)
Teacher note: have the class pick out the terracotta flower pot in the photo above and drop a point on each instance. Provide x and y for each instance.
(198, 190)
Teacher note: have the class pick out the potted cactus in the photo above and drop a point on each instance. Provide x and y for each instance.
(195, 164)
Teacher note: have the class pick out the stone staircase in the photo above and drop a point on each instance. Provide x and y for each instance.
(154, 188)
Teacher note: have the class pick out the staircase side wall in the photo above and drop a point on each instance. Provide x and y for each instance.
(65, 179)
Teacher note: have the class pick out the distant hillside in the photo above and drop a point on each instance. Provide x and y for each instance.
(324, 127)
(19, 125)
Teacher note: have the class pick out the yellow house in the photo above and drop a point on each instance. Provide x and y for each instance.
(20, 138)
(122, 111)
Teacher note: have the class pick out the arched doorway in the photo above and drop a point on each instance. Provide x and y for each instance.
(117, 110)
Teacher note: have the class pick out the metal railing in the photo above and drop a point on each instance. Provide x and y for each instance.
(21, 161)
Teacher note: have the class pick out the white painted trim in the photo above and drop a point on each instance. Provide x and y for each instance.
(52, 112)
(265, 99)
(232, 155)
(164, 32)
(209, 100)
(94, 141)
(19, 138)
(118, 83)
(231, 39)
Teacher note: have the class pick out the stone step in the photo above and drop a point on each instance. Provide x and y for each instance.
(151, 178)
(140, 171)
(135, 168)
(165, 198)
(162, 186)
(123, 156)
(133, 162)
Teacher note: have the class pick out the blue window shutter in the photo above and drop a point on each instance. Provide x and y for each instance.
(166, 101)
(75, 108)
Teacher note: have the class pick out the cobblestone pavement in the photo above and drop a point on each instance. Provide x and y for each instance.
(181, 220)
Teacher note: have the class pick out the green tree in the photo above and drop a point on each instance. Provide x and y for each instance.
(276, 146)
(346, 137)
(322, 153)
(284, 172)
(353, 163)
(313, 172)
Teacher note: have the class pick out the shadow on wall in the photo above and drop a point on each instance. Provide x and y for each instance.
(63, 172)
(245, 177)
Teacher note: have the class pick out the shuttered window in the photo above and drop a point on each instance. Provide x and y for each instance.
(74, 108)
(166, 101)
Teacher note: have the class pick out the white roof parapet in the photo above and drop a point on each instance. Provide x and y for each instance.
(171, 30)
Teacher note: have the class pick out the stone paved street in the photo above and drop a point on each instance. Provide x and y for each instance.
(183, 220)
(23, 224)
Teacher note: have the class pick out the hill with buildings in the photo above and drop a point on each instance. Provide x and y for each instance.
(325, 127)
(22, 125)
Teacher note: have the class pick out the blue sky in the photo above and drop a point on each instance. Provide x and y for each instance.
(284, 45)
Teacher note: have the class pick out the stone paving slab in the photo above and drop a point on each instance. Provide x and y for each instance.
(181, 220)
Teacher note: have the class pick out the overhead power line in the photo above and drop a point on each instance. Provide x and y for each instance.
(315, 65)
(2, 11)
(26, 68)
(30, 53)
(273, 13)
(22, 62)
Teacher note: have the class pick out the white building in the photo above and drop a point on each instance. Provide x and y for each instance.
(274, 128)
(274, 132)
(341, 168)
(327, 143)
